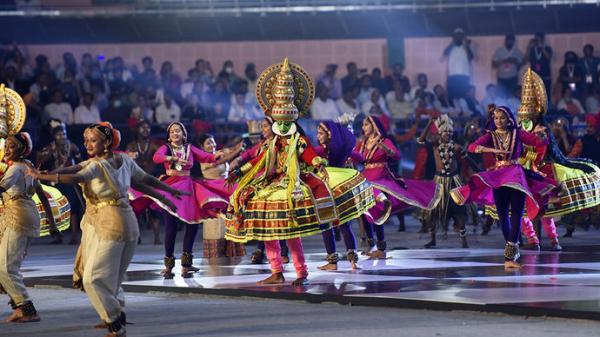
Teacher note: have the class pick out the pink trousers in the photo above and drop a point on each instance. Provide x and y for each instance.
(273, 251)
(529, 232)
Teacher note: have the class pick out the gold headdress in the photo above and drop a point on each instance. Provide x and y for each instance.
(12, 115)
(534, 101)
(285, 92)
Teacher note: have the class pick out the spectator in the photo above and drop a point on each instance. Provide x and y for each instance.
(59, 109)
(588, 146)
(120, 64)
(347, 104)
(87, 112)
(24, 71)
(508, 60)
(592, 102)
(228, 73)
(85, 67)
(142, 110)
(375, 106)
(99, 96)
(187, 87)
(442, 103)
(379, 82)
(69, 64)
(70, 87)
(590, 67)
(470, 106)
(168, 111)
(206, 73)
(492, 96)
(331, 82)
(324, 108)
(148, 74)
(42, 89)
(169, 79)
(398, 74)
(539, 56)
(399, 102)
(514, 100)
(242, 111)
(561, 132)
(459, 55)
(11, 80)
(364, 95)
(116, 112)
(203, 95)
(193, 110)
(117, 84)
(251, 78)
(422, 83)
(570, 104)
(221, 99)
(351, 77)
(570, 75)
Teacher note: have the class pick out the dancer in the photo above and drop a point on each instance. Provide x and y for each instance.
(61, 152)
(267, 134)
(392, 194)
(206, 198)
(506, 184)
(579, 177)
(110, 228)
(287, 200)
(335, 144)
(213, 230)
(446, 155)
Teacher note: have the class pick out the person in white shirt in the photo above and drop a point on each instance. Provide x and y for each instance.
(168, 111)
(87, 112)
(421, 84)
(347, 104)
(242, 111)
(508, 59)
(187, 87)
(399, 102)
(324, 108)
(459, 55)
(492, 97)
(592, 103)
(375, 106)
(59, 109)
(331, 82)
(366, 88)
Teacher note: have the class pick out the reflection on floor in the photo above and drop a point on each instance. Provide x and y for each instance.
(563, 284)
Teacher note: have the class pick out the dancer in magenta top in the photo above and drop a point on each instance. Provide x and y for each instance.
(392, 194)
(506, 184)
(207, 198)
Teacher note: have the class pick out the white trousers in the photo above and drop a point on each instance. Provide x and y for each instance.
(13, 248)
(105, 267)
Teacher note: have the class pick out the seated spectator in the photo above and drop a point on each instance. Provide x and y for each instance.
(71, 88)
(442, 103)
(348, 104)
(168, 111)
(242, 111)
(169, 79)
(58, 109)
(588, 146)
(228, 73)
(375, 106)
(569, 103)
(398, 74)
(100, 97)
(42, 89)
(469, 106)
(592, 103)
(87, 112)
(116, 112)
(352, 77)
(118, 85)
(492, 96)
(203, 95)
(399, 102)
(323, 107)
(379, 82)
(221, 97)
(193, 110)
(331, 82)
(561, 131)
(11, 80)
(187, 87)
(364, 94)
(422, 83)
(142, 110)
(148, 74)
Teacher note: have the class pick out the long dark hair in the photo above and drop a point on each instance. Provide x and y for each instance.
(556, 155)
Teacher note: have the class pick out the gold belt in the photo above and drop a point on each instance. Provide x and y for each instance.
(106, 202)
(375, 165)
(503, 163)
(172, 173)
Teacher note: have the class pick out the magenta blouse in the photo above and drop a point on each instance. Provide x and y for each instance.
(195, 154)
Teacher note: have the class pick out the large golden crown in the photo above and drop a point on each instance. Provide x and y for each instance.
(12, 115)
(285, 91)
(534, 101)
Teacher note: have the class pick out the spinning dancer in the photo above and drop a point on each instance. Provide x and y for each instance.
(287, 200)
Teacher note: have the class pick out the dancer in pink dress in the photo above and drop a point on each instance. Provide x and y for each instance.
(392, 194)
(207, 198)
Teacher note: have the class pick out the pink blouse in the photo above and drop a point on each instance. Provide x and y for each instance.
(195, 154)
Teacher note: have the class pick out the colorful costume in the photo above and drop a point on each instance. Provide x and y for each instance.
(446, 155)
(392, 194)
(287, 200)
(506, 184)
(207, 199)
(337, 152)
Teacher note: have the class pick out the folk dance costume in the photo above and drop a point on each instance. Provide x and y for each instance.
(206, 199)
(287, 200)
(506, 184)
(336, 146)
(446, 155)
(392, 194)
(109, 225)
(579, 178)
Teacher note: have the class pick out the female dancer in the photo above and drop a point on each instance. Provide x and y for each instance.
(19, 224)
(392, 194)
(206, 198)
(335, 144)
(506, 184)
(288, 199)
(110, 226)
(267, 134)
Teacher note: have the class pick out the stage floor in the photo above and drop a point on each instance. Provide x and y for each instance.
(565, 284)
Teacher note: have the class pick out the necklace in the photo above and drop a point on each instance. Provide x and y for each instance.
(145, 148)
(180, 152)
(446, 151)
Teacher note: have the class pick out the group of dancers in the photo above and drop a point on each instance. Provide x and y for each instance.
(280, 190)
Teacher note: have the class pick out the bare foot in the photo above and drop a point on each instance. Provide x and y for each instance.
(329, 266)
(376, 255)
(511, 265)
(276, 278)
